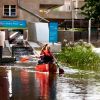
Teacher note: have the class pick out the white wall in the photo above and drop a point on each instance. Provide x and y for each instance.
(42, 32)
(2, 38)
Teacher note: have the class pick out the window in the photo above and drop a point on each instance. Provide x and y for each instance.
(9, 10)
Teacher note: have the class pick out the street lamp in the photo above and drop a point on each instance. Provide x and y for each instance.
(89, 31)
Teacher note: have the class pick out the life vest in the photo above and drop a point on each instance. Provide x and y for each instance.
(47, 56)
(47, 53)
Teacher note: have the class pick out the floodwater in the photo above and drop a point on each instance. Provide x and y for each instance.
(20, 82)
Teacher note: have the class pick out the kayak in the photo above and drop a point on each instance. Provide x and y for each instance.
(50, 67)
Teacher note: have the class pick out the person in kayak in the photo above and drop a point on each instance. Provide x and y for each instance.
(46, 55)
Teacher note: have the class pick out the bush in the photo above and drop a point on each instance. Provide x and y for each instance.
(78, 54)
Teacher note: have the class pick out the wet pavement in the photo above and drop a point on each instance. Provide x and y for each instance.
(21, 82)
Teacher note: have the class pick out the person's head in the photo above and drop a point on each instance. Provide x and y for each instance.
(48, 47)
(44, 47)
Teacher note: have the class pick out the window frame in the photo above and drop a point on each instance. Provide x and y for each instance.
(9, 11)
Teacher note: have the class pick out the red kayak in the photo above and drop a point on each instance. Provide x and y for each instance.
(52, 68)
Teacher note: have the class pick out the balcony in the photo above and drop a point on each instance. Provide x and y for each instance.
(61, 15)
(48, 4)
(57, 15)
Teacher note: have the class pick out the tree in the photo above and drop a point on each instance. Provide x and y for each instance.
(91, 9)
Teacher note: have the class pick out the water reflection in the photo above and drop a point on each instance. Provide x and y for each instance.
(9, 74)
(24, 75)
(47, 84)
(23, 83)
(82, 85)
(43, 84)
(4, 86)
(33, 85)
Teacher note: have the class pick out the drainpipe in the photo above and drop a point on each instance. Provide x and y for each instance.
(36, 15)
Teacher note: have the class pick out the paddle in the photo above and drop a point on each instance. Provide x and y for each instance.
(61, 71)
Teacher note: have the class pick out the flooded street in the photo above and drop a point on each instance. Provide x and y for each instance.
(23, 83)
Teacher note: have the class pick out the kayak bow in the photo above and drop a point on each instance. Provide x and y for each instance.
(50, 67)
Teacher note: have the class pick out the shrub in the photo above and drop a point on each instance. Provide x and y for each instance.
(78, 54)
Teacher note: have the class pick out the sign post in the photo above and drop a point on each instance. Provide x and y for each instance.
(53, 32)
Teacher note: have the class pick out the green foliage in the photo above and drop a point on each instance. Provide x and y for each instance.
(91, 9)
(78, 54)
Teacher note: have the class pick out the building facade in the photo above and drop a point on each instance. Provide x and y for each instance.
(11, 9)
(68, 9)
(35, 10)
(63, 11)
(40, 10)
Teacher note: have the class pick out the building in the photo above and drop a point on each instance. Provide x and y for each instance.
(69, 10)
(65, 12)
(40, 10)
(27, 10)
